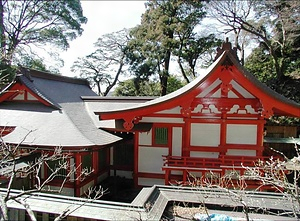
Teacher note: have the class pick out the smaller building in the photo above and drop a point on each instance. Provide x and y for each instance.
(41, 111)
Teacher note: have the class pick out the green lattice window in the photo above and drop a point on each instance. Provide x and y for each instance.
(161, 136)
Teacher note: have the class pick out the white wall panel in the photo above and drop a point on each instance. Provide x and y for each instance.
(236, 152)
(161, 120)
(145, 138)
(150, 159)
(176, 141)
(204, 154)
(205, 134)
(241, 134)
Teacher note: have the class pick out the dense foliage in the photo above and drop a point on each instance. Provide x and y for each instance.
(168, 30)
(136, 87)
(25, 24)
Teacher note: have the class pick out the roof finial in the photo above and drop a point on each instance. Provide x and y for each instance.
(226, 46)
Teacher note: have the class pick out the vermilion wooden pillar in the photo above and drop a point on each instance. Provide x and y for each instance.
(77, 158)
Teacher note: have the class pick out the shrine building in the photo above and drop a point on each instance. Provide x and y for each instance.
(210, 126)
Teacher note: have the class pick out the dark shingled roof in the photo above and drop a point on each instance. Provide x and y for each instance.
(66, 123)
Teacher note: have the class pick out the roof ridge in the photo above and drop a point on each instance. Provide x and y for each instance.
(29, 73)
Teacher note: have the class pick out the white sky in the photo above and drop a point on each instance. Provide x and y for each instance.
(103, 17)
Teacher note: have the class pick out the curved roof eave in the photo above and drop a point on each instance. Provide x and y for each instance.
(158, 103)
(155, 104)
(294, 107)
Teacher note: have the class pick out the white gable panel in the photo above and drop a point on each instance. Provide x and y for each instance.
(232, 95)
(241, 134)
(20, 97)
(30, 97)
(210, 88)
(217, 94)
(175, 110)
(241, 90)
(150, 159)
(205, 134)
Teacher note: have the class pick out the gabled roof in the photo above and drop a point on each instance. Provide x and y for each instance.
(272, 102)
(58, 118)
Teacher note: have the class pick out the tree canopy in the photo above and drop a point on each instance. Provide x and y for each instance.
(167, 27)
(136, 87)
(274, 24)
(25, 24)
(103, 66)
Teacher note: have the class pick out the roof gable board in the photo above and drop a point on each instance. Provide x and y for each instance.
(24, 90)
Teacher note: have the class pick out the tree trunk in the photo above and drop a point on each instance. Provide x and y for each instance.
(182, 71)
(2, 35)
(165, 74)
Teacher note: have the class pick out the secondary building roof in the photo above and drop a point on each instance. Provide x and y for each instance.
(47, 110)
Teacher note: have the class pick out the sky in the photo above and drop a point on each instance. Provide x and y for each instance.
(103, 17)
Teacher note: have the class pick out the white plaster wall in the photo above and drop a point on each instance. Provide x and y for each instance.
(205, 134)
(241, 134)
(150, 159)
(238, 152)
(150, 181)
(175, 110)
(176, 141)
(145, 138)
(204, 154)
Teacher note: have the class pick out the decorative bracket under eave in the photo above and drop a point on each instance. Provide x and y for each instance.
(129, 122)
(187, 108)
(226, 86)
(266, 111)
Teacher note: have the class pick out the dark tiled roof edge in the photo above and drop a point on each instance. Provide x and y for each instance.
(56, 77)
